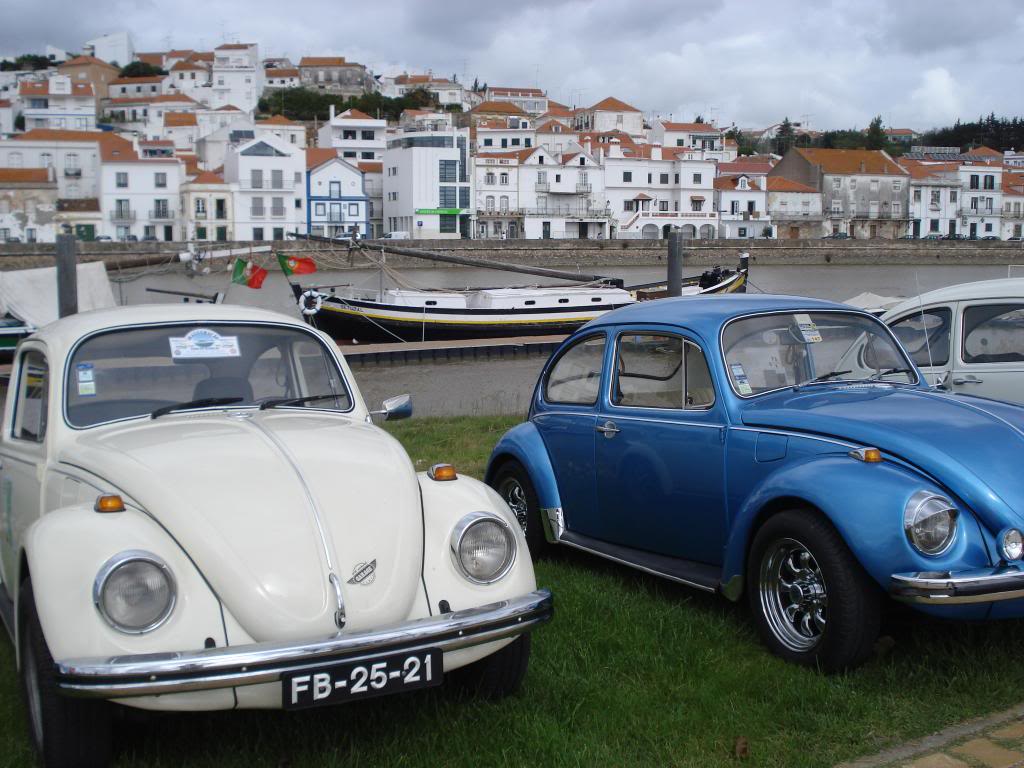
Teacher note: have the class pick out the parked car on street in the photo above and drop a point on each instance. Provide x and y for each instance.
(967, 338)
(954, 236)
(933, 236)
(779, 447)
(199, 515)
(837, 236)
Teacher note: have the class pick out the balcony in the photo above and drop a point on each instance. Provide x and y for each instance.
(161, 214)
(568, 212)
(583, 189)
(265, 185)
(277, 213)
(73, 173)
(257, 213)
(122, 215)
(542, 186)
(199, 215)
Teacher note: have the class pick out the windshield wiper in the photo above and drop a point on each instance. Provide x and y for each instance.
(205, 402)
(296, 400)
(889, 371)
(827, 376)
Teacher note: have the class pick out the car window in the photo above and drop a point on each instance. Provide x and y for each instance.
(660, 371)
(925, 335)
(700, 391)
(994, 333)
(132, 372)
(575, 378)
(33, 388)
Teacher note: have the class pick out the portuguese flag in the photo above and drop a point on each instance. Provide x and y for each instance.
(248, 273)
(291, 265)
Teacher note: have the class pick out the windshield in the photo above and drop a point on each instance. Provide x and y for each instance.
(136, 371)
(773, 351)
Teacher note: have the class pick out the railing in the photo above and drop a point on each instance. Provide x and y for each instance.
(979, 211)
(265, 185)
(199, 215)
(73, 173)
(122, 214)
(257, 213)
(567, 211)
(583, 189)
(542, 186)
(161, 214)
(277, 213)
(221, 215)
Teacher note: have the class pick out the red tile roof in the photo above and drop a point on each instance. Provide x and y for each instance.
(983, 152)
(187, 65)
(368, 167)
(690, 127)
(507, 91)
(277, 120)
(496, 107)
(227, 108)
(84, 61)
(179, 119)
(4, 103)
(317, 156)
(852, 161)
(324, 61)
(207, 177)
(728, 183)
(782, 184)
(355, 114)
(147, 79)
(173, 98)
(42, 88)
(611, 104)
(154, 59)
(24, 176)
(281, 73)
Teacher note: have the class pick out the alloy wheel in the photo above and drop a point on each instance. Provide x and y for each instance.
(793, 595)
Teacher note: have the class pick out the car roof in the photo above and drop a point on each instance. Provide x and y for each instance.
(1005, 288)
(706, 314)
(66, 331)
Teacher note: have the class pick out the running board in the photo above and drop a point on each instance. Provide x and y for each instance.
(697, 575)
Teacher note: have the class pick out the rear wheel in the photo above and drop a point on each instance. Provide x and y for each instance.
(498, 675)
(512, 483)
(811, 600)
(66, 732)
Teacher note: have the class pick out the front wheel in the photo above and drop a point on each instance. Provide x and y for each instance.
(498, 675)
(512, 483)
(811, 600)
(66, 732)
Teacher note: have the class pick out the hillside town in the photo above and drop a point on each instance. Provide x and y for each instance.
(189, 156)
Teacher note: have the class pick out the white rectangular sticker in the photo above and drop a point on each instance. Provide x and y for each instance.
(85, 375)
(202, 342)
(808, 329)
(740, 377)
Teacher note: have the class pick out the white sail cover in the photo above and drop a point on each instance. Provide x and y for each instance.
(872, 302)
(31, 294)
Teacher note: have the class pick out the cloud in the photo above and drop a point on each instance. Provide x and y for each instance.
(937, 97)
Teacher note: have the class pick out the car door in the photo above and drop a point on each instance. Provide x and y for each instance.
(926, 333)
(990, 350)
(660, 449)
(566, 417)
(22, 455)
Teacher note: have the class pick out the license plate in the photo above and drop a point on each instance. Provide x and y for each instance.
(350, 680)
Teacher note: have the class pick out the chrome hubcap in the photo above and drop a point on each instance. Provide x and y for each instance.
(794, 598)
(514, 495)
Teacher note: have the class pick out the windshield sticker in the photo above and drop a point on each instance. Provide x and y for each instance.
(86, 379)
(202, 342)
(740, 377)
(808, 329)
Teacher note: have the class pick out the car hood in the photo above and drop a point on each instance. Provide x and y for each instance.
(267, 502)
(971, 445)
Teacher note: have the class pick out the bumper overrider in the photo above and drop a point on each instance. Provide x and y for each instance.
(980, 585)
(164, 673)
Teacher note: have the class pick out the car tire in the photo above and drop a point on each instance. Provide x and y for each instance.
(498, 675)
(512, 482)
(65, 732)
(812, 602)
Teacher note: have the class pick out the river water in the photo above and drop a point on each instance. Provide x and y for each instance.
(505, 386)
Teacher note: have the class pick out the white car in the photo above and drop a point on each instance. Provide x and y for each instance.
(197, 514)
(967, 338)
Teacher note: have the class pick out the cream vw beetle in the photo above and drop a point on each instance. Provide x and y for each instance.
(198, 515)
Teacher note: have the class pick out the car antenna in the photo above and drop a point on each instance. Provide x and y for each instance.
(920, 305)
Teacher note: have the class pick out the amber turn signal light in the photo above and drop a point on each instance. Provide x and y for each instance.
(867, 455)
(442, 472)
(109, 503)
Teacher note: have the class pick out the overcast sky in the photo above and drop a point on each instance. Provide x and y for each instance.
(918, 63)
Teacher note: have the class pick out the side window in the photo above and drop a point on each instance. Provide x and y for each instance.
(700, 391)
(319, 378)
(33, 388)
(925, 335)
(575, 378)
(660, 371)
(994, 333)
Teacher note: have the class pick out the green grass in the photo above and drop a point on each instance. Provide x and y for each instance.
(633, 671)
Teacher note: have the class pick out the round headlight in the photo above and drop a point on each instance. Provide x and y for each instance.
(930, 522)
(134, 592)
(1011, 544)
(483, 547)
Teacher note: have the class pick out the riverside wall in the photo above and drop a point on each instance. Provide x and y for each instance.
(569, 254)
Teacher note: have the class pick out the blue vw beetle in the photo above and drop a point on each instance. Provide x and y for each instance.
(782, 447)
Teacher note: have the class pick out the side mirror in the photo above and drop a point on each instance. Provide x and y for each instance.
(942, 382)
(394, 408)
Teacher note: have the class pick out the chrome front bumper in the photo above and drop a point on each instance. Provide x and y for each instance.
(163, 673)
(981, 585)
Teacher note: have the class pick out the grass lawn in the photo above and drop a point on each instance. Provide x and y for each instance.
(633, 671)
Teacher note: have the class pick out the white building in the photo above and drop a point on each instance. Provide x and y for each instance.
(373, 183)
(113, 48)
(181, 128)
(448, 93)
(531, 100)
(6, 117)
(708, 138)
(794, 208)
(611, 114)
(496, 186)
(1013, 205)
(74, 156)
(268, 176)
(934, 198)
(159, 106)
(237, 76)
(505, 133)
(555, 134)
(207, 208)
(58, 103)
(357, 136)
(742, 203)
(427, 184)
(981, 197)
(283, 77)
(140, 198)
(190, 78)
(28, 204)
(337, 204)
(138, 87)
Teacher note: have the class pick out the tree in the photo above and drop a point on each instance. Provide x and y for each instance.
(876, 138)
(19, 122)
(29, 61)
(699, 119)
(784, 137)
(142, 69)
(476, 85)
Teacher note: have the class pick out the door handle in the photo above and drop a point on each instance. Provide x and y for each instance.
(608, 429)
(968, 380)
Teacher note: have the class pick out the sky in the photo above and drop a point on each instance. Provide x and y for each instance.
(918, 63)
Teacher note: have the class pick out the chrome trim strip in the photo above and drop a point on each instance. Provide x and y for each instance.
(553, 520)
(980, 585)
(651, 571)
(163, 673)
(809, 436)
